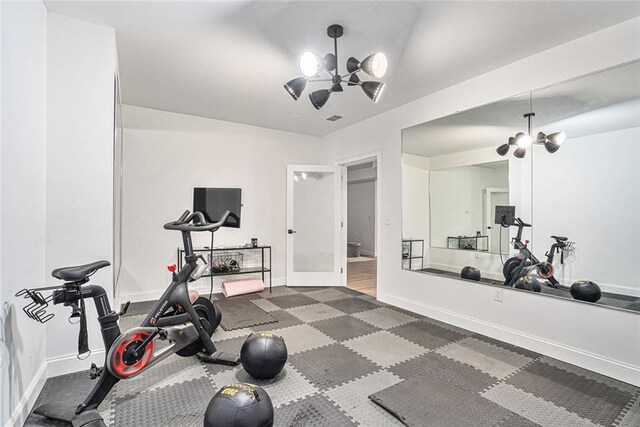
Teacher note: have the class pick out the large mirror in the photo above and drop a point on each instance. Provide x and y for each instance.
(537, 193)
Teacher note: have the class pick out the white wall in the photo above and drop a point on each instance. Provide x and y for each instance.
(23, 187)
(457, 201)
(361, 215)
(595, 204)
(81, 67)
(166, 155)
(553, 326)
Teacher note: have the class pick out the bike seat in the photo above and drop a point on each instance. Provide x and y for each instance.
(77, 273)
(560, 238)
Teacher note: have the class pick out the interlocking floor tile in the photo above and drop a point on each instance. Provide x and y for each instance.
(486, 357)
(286, 387)
(385, 348)
(265, 304)
(314, 410)
(534, 408)
(431, 371)
(294, 300)
(162, 406)
(302, 338)
(330, 366)
(305, 289)
(326, 295)
(344, 328)
(285, 320)
(348, 291)
(314, 312)
(353, 398)
(630, 416)
(585, 397)
(384, 317)
(433, 364)
(352, 305)
(167, 372)
(277, 291)
(426, 334)
(434, 401)
(626, 387)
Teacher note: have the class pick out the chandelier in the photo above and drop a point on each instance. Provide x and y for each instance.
(312, 65)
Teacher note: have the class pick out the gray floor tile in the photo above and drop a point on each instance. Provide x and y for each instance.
(385, 348)
(331, 366)
(384, 317)
(302, 338)
(326, 295)
(585, 397)
(314, 312)
(353, 398)
(285, 320)
(493, 360)
(352, 305)
(314, 410)
(426, 334)
(290, 301)
(534, 408)
(433, 364)
(344, 328)
(288, 386)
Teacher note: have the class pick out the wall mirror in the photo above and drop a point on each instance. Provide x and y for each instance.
(564, 160)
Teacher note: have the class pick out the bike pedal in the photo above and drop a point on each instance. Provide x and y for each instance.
(94, 371)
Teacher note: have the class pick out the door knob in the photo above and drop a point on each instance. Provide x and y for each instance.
(290, 231)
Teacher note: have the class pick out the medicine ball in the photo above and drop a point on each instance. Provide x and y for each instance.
(263, 355)
(530, 284)
(470, 273)
(242, 404)
(585, 290)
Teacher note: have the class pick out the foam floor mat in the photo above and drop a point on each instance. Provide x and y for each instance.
(238, 313)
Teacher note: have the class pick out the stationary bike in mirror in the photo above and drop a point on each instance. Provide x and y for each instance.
(181, 320)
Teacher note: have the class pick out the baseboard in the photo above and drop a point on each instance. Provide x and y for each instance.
(367, 253)
(201, 288)
(602, 365)
(69, 363)
(28, 399)
(620, 290)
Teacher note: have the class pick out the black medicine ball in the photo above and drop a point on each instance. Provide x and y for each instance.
(241, 404)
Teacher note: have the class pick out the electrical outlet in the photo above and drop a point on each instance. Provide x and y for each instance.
(387, 220)
(497, 294)
(477, 255)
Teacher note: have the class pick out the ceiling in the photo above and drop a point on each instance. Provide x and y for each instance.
(229, 60)
(601, 102)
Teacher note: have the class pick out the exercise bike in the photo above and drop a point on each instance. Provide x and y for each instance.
(180, 318)
(525, 262)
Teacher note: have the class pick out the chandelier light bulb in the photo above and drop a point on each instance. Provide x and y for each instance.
(557, 138)
(523, 140)
(309, 64)
(375, 65)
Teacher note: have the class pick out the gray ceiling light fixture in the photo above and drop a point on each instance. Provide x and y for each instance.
(551, 142)
(311, 65)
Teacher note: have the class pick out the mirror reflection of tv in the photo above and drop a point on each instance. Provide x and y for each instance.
(505, 215)
(214, 202)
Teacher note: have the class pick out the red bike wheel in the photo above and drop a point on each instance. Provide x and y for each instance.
(545, 271)
(123, 364)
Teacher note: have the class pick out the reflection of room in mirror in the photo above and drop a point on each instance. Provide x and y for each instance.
(587, 190)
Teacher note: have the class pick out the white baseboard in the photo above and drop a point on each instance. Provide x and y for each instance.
(28, 399)
(367, 253)
(69, 363)
(201, 288)
(609, 367)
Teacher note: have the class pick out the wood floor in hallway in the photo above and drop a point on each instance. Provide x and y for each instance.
(362, 275)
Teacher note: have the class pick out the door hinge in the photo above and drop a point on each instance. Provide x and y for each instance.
(341, 224)
(341, 270)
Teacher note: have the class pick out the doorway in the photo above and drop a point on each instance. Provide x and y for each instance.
(361, 226)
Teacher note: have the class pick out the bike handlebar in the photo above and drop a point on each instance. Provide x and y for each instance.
(199, 222)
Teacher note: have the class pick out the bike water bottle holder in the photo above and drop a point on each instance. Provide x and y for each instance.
(37, 308)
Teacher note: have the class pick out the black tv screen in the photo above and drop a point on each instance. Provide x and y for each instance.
(214, 202)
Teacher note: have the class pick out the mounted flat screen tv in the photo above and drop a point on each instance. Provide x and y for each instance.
(214, 202)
